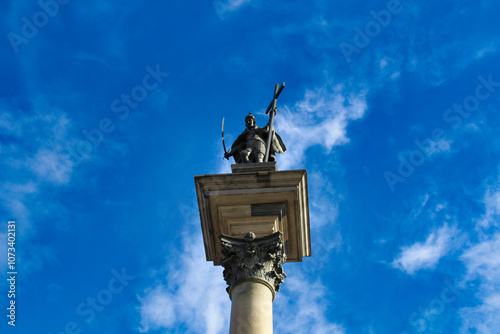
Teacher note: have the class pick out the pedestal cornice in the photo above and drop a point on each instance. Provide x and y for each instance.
(256, 198)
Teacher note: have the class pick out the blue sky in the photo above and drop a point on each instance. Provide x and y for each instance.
(108, 110)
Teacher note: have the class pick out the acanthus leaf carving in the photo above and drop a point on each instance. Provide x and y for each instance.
(261, 257)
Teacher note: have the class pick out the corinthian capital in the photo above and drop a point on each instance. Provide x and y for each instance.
(253, 257)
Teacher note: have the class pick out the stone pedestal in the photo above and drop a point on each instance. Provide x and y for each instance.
(253, 220)
(255, 197)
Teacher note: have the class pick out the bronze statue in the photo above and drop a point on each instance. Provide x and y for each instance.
(257, 144)
(250, 146)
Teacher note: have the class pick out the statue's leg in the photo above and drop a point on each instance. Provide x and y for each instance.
(260, 151)
(245, 155)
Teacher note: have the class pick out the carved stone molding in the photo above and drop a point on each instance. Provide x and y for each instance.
(258, 200)
(253, 257)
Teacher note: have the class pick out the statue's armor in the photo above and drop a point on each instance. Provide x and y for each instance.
(250, 146)
(254, 146)
(255, 141)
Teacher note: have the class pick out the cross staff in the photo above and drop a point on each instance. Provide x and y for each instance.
(272, 106)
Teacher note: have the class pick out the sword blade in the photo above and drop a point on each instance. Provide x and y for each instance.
(223, 142)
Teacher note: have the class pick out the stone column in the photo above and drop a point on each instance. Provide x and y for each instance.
(253, 272)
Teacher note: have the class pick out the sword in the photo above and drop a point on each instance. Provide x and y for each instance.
(223, 142)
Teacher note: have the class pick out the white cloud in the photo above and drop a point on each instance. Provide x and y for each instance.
(483, 259)
(323, 200)
(412, 37)
(52, 166)
(427, 255)
(439, 147)
(301, 308)
(14, 197)
(193, 294)
(321, 118)
(157, 309)
(235, 4)
(490, 48)
(223, 6)
(36, 142)
(483, 263)
(34, 155)
(33, 161)
(491, 202)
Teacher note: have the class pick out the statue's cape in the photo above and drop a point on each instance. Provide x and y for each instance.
(278, 145)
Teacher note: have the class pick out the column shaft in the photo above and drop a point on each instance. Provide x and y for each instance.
(251, 309)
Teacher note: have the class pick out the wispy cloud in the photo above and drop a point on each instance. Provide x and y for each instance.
(188, 292)
(301, 307)
(320, 118)
(223, 6)
(35, 142)
(490, 48)
(483, 259)
(426, 255)
(32, 146)
(14, 197)
(324, 200)
(491, 202)
(235, 4)
(483, 263)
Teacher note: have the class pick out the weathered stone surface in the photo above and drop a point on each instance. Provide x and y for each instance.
(255, 167)
(253, 257)
(251, 308)
(255, 198)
